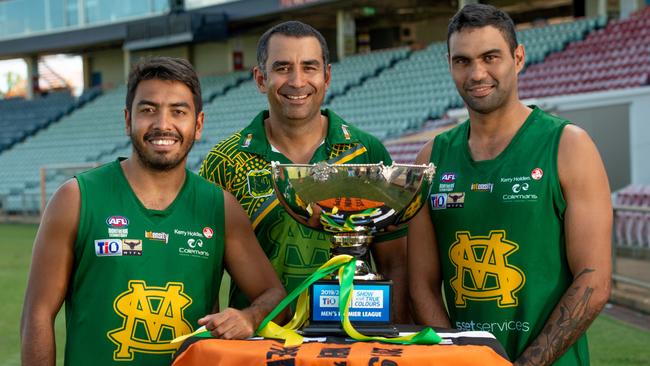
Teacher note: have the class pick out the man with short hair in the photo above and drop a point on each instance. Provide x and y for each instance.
(294, 72)
(518, 226)
(137, 248)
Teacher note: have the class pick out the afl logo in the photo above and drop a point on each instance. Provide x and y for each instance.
(207, 232)
(448, 177)
(537, 174)
(117, 221)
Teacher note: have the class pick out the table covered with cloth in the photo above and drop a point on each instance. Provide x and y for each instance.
(457, 348)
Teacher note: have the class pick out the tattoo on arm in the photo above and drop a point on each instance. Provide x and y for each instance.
(566, 324)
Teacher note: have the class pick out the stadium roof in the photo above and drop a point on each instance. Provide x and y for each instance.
(117, 33)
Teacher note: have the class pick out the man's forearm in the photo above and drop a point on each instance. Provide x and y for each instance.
(37, 345)
(264, 304)
(401, 308)
(579, 306)
(428, 308)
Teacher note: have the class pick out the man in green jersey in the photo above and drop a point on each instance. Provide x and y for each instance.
(519, 221)
(136, 248)
(294, 72)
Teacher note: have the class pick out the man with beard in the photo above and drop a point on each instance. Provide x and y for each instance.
(137, 248)
(519, 221)
(294, 72)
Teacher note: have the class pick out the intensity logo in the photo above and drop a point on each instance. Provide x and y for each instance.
(153, 316)
(482, 269)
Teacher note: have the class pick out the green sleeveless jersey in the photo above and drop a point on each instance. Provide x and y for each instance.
(241, 164)
(140, 277)
(499, 225)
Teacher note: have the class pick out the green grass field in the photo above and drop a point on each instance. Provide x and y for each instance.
(611, 342)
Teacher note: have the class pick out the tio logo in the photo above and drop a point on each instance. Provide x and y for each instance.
(108, 247)
(329, 301)
(439, 201)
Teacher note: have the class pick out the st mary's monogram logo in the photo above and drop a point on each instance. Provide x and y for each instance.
(482, 269)
(259, 183)
(153, 316)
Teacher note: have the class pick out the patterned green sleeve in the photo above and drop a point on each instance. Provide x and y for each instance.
(218, 166)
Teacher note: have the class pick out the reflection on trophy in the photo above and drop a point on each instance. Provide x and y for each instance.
(353, 202)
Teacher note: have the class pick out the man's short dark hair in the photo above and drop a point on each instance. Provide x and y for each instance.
(168, 69)
(291, 28)
(481, 15)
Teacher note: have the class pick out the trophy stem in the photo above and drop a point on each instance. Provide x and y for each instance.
(356, 246)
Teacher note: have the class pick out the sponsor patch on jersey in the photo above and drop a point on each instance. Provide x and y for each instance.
(117, 221)
(439, 201)
(188, 233)
(117, 232)
(346, 132)
(108, 247)
(259, 183)
(514, 179)
(520, 187)
(537, 174)
(446, 187)
(448, 177)
(248, 140)
(158, 236)
(132, 247)
(520, 193)
(194, 248)
(482, 187)
(456, 200)
(208, 232)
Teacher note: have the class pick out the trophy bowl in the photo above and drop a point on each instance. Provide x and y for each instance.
(353, 202)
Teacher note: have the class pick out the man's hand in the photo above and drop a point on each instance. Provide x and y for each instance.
(229, 324)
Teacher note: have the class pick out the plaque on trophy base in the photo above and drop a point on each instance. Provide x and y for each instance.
(369, 311)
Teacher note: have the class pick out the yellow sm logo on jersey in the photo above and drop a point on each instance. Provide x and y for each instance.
(153, 316)
(482, 269)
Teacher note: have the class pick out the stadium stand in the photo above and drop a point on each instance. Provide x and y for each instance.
(615, 57)
(215, 85)
(632, 228)
(354, 70)
(405, 149)
(402, 97)
(20, 118)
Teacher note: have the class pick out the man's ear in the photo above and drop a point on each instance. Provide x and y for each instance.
(198, 130)
(328, 75)
(127, 121)
(520, 58)
(260, 79)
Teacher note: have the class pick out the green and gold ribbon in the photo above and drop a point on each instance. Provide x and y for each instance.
(346, 267)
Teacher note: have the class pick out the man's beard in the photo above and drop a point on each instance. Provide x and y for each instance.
(160, 162)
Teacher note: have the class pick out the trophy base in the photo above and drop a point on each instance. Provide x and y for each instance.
(336, 330)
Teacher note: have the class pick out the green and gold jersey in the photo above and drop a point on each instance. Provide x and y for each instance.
(500, 230)
(241, 164)
(140, 277)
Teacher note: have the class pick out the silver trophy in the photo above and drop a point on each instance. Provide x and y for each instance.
(353, 202)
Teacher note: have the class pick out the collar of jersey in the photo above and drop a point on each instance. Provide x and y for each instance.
(253, 137)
